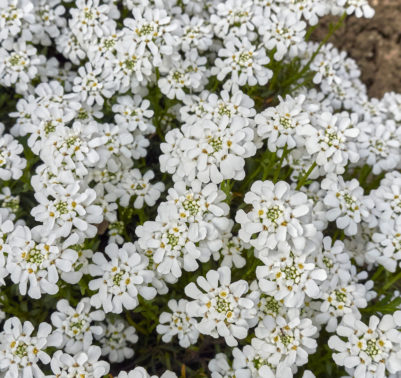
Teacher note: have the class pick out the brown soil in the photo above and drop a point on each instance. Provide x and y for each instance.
(374, 43)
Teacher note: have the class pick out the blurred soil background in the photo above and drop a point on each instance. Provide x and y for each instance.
(374, 43)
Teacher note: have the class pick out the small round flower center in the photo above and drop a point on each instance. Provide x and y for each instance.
(191, 205)
(349, 200)
(177, 76)
(82, 114)
(130, 63)
(145, 30)
(224, 110)
(340, 296)
(117, 228)
(286, 122)
(291, 273)
(273, 213)
(15, 59)
(286, 339)
(372, 348)
(331, 137)
(258, 362)
(271, 305)
(172, 239)
(244, 59)
(21, 350)
(76, 327)
(328, 262)
(49, 127)
(117, 278)
(222, 304)
(35, 256)
(62, 207)
(216, 143)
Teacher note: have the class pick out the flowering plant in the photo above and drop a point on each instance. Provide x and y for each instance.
(194, 188)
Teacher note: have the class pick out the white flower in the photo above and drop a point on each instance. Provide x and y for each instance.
(202, 207)
(216, 107)
(68, 45)
(232, 251)
(179, 74)
(333, 146)
(310, 9)
(6, 227)
(36, 264)
(18, 64)
(379, 144)
(140, 372)
(179, 324)
(188, 228)
(67, 211)
(76, 325)
(134, 185)
(283, 31)
(195, 32)
(384, 247)
(361, 8)
(133, 113)
(290, 278)
(343, 300)
(151, 30)
(287, 338)
(83, 364)
(275, 217)
(20, 351)
(335, 260)
(122, 278)
(221, 305)
(387, 203)
(254, 363)
(233, 18)
(90, 19)
(175, 246)
(72, 148)
(220, 368)
(346, 204)
(49, 21)
(285, 125)
(208, 151)
(368, 350)
(14, 15)
(91, 84)
(131, 69)
(243, 62)
(11, 163)
(80, 266)
(116, 340)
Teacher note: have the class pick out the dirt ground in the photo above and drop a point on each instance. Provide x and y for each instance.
(374, 43)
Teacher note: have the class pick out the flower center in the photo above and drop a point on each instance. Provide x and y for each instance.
(21, 350)
(172, 239)
(216, 143)
(372, 348)
(328, 262)
(62, 207)
(191, 205)
(291, 273)
(273, 213)
(286, 339)
(35, 256)
(286, 122)
(118, 277)
(271, 305)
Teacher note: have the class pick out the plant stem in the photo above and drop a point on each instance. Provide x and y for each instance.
(303, 179)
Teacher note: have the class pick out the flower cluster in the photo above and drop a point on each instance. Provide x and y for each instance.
(194, 186)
